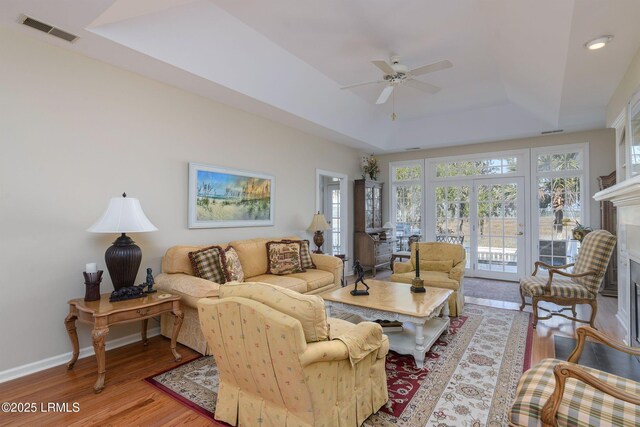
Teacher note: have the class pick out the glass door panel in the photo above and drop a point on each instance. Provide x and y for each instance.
(453, 202)
(499, 252)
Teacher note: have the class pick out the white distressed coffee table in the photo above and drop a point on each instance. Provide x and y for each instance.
(419, 313)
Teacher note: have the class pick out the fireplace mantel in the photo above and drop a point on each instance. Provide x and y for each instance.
(626, 197)
(624, 193)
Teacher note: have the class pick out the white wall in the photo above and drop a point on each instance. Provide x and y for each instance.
(75, 132)
(628, 85)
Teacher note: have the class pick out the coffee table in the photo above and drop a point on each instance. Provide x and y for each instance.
(419, 313)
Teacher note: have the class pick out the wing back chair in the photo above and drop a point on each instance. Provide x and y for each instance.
(278, 365)
(568, 289)
(561, 393)
(441, 266)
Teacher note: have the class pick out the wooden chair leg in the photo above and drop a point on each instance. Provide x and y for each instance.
(573, 310)
(522, 298)
(594, 311)
(534, 305)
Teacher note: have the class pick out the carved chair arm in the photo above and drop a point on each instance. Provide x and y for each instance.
(562, 372)
(587, 331)
(552, 271)
(548, 267)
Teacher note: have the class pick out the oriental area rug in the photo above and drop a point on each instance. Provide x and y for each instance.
(469, 379)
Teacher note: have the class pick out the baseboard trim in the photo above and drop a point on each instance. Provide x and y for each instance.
(61, 359)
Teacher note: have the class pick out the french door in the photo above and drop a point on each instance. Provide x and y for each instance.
(489, 214)
(333, 211)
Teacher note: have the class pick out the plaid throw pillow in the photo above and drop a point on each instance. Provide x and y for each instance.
(305, 253)
(207, 264)
(232, 267)
(284, 258)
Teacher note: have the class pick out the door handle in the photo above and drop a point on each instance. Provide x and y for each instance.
(520, 233)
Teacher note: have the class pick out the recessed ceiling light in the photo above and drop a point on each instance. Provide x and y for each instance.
(598, 43)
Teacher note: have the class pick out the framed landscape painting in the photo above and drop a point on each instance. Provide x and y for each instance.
(221, 197)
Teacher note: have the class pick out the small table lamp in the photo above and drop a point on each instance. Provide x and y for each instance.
(123, 215)
(318, 225)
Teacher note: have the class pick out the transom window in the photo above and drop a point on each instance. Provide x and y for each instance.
(476, 167)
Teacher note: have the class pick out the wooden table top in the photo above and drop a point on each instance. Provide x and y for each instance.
(392, 297)
(103, 306)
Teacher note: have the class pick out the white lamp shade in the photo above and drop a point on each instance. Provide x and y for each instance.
(387, 225)
(318, 223)
(123, 215)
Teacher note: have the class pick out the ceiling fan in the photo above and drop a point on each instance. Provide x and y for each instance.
(396, 74)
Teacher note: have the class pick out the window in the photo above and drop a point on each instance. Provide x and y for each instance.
(470, 168)
(559, 201)
(406, 200)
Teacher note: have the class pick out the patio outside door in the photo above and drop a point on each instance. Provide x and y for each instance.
(489, 213)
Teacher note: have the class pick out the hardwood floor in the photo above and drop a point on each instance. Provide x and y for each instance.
(129, 401)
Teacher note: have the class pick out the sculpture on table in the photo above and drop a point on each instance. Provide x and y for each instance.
(150, 282)
(359, 271)
(417, 284)
(129, 292)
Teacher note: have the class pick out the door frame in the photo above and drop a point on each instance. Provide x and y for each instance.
(344, 201)
(523, 256)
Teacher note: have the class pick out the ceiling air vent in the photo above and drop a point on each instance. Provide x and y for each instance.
(46, 28)
(547, 132)
(412, 149)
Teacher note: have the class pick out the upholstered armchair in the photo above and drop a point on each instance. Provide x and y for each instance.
(567, 289)
(282, 362)
(556, 393)
(442, 265)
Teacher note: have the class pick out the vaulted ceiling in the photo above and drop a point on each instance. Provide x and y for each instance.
(520, 67)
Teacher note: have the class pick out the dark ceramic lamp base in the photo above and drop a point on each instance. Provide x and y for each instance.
(318, 239)
(123, 261)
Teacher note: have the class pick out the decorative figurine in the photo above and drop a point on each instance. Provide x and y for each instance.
(129, 292)
(357, 268)
(150, 282)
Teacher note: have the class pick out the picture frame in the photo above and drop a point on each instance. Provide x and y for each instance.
(222, 197)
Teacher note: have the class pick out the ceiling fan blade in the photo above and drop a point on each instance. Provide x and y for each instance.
(427, 87)
(436, 66)
(384, 95)
(362, 84)
(385, 67)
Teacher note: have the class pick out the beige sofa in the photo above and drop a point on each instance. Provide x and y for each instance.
(308, 370)
(434, 275)
(177, 278)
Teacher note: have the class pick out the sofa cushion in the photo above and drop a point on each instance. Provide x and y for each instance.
(436, 279)
(284, 257)
(186, 284)
(444, 266)
(253, 256)
(315, 278)
(232, 266)
(305, 253)
(286, 282)
(438, 251)
(176, 259)
(208, 264)
(308, 309)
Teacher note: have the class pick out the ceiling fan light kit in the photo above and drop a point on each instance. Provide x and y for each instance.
(396, 74)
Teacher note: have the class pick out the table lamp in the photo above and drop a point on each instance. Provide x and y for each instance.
(123, 215)
(318, 225)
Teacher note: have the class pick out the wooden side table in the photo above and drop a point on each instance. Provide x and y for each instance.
(103, 314)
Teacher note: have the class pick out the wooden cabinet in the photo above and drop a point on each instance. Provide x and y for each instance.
(608, 222)
(372, 252)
